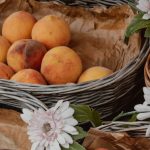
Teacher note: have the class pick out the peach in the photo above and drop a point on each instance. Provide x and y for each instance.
(51, 31)
(29, 76)
(24, 54)
(94, 73)
(61, 65)
(5, 71)
(4, 46)
(18, 26)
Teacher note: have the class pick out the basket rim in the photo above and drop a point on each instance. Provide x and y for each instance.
(91, 85)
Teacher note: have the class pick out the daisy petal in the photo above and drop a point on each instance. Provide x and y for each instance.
(148, 132)
(75, 133)
(55, 145)
(71, 121)
(35, 145)
(27, 111)
(43, 142)
(142, 108)
(40, 148)
(146, 90)
(67, 113)
(46, 144)
(52, 147)
(27, 115)
(69, 129)
(143, 116)
(141, 8)
(64, 106)
(147, 98)
(146, 16)
(66, 145)
(59, 103)
(48, 148)
(145, 103)
(61, 139)
(143, 5)
(68, 138)
(25, 118)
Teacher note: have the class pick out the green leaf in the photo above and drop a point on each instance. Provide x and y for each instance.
(133, 118)
(82, 134)
(147, 32)
(137, 24)
(75, 146)
(118, 116)
(84, 113)
(139, 16)
(96, 118)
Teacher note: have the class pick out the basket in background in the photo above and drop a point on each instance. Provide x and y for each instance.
(109, 96)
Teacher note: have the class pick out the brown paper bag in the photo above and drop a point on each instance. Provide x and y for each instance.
(114, 141)
(13, 131)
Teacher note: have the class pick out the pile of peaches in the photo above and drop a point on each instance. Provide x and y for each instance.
(36, 52)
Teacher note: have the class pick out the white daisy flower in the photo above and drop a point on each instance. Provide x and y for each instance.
(144, 109)
(144, 5)
(51, 129)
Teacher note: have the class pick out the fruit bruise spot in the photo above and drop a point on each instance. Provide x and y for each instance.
(18, 49)
(33, 54)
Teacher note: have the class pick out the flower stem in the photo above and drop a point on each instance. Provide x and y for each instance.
(124, 115)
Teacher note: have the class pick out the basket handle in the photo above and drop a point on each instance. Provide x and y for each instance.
(24, 99)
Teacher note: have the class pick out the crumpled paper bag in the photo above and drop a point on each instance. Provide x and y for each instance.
(13, 131)
(114, 141)
(97, 33)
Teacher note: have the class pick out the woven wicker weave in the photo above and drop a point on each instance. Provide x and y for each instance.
(90, 3)
(109, 96)
(134, 129)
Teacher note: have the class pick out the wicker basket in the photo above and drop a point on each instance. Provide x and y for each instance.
(109, 96)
